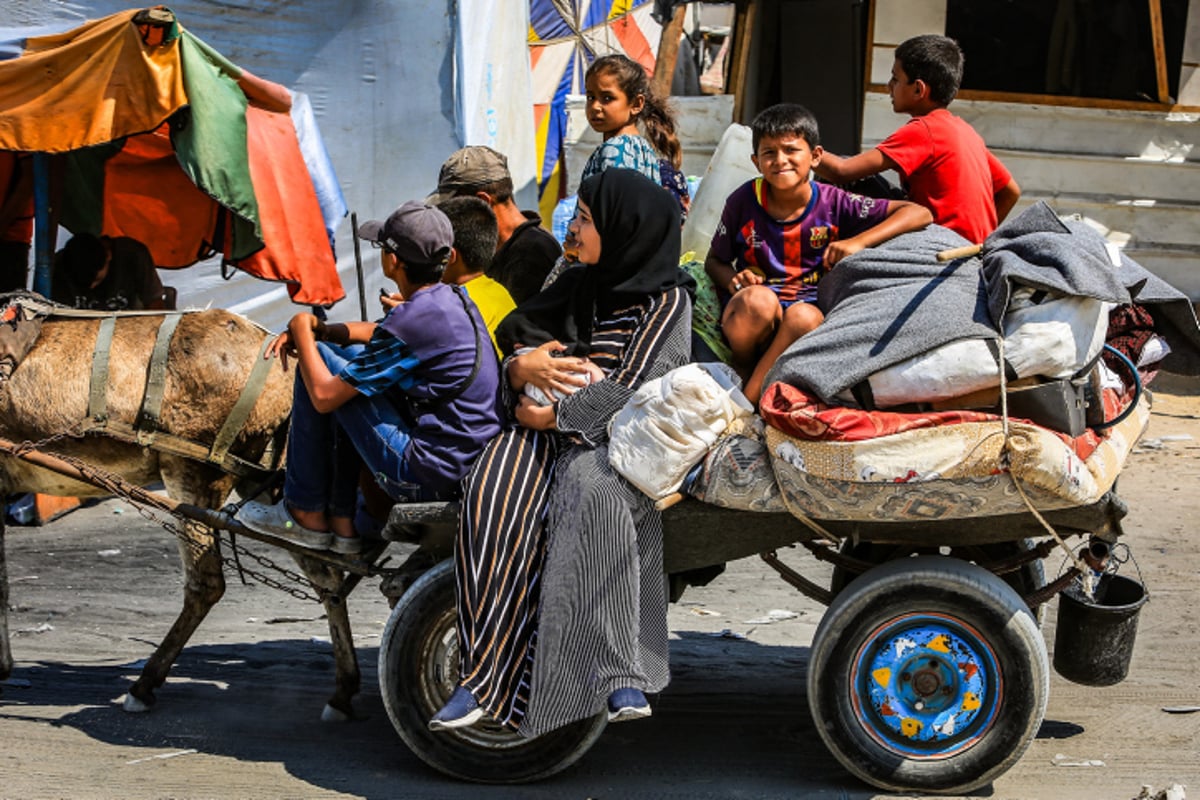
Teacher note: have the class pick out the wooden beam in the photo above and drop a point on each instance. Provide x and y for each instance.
(1160, 50)
(668, 53)
(1058, 100)
(740, 56)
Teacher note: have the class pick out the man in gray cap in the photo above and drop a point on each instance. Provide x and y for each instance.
(526, 251)
(413, 398)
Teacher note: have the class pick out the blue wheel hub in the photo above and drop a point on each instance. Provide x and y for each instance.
(926, 685)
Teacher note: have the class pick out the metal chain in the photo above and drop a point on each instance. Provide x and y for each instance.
(106, 480)
(198, 550)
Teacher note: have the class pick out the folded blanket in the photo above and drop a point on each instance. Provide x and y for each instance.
(887, 304)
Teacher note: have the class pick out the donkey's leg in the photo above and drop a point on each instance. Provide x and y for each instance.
(204, 585)
(6, 660)
(204, 582)
(348, 680)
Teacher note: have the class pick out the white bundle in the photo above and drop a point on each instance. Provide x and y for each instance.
(670, 423)
(1054, 338)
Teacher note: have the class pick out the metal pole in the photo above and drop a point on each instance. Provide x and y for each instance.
(43, 247)
(358, 267)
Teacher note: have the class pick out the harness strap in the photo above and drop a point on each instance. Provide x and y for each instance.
(242, 408)
(156, 379)
(98, 390)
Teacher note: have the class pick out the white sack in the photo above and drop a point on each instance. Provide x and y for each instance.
(670, 423)
(1052, 339)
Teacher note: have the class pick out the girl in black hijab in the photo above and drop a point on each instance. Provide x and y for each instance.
(551, 538)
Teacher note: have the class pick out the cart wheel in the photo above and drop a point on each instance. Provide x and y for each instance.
(928, 674)
(418, 670)
(1029, 578)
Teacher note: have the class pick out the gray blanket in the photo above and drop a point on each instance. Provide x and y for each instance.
(887, 304)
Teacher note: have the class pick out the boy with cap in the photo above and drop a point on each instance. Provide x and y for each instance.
(526, 251)
(413, 397)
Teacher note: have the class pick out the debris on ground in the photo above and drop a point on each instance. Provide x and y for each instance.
(1175, 792)
(774, 615)
(1061, 760)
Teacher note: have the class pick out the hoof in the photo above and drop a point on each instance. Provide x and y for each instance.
(331, 714)
(134, 706)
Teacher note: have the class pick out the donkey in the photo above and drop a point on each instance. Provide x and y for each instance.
(210, 357)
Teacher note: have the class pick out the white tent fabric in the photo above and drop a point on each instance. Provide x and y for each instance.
(393, 85)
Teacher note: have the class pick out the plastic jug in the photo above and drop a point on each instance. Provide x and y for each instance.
(564, 212)
(728, 169)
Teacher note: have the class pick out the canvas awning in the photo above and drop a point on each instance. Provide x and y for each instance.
(155, 135)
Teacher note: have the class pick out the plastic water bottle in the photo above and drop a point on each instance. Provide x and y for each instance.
(693, 184)
(564, 212)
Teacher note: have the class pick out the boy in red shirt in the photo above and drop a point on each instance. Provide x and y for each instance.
(944, 163)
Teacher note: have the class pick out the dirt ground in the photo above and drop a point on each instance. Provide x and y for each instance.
(94, 591)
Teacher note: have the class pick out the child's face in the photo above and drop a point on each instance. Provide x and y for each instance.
(905, 93)
(608, 108)
(583, 228)
(786, 161)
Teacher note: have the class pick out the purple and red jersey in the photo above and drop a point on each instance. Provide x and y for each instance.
(788, 253)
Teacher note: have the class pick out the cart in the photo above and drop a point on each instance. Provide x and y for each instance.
(928, 672)
(964, 599)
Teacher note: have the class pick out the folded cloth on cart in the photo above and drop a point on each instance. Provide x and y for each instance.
(950, 471)
(895, 302)
(737, 472)
(671, 422)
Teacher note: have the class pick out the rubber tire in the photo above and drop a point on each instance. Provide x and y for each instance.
(418, 668)
(963, 591)
(1026, 580)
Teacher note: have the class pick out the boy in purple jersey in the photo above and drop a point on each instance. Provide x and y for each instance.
(780, 233)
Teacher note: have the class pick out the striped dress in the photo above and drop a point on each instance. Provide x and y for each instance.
(585, 590)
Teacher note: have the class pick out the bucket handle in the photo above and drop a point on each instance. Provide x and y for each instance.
(1119, 553)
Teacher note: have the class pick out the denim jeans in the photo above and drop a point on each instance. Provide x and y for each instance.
(327, 451)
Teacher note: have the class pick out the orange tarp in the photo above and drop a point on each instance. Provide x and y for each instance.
(146, 193)
(293, 231)
(91, 80)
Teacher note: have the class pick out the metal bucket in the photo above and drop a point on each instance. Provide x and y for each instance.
(1093, 643)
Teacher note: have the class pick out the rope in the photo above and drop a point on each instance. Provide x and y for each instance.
(1006, 463)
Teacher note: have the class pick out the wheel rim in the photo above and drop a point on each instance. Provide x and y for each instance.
(439, 660)
(926, 685)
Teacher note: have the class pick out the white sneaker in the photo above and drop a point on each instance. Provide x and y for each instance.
(277, 521)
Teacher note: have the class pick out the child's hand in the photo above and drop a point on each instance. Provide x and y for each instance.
(840, 249)
(535, 417)
(390, 301)
(741, 280)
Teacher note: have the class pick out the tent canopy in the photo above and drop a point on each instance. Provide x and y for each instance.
(565, 36)
(155, 135)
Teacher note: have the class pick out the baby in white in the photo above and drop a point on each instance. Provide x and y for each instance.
(590, 375)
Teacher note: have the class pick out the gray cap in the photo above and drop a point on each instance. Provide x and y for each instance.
(468, 169)
(416, 232)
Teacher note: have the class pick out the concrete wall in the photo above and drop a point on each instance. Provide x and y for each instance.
(1135, 174)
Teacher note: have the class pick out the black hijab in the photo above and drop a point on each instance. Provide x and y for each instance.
(638, 223)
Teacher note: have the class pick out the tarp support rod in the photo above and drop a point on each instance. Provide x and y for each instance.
(43, 248)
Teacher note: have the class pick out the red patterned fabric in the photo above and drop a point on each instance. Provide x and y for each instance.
(797, 413)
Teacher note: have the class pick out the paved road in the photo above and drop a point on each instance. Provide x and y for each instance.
(238, 717)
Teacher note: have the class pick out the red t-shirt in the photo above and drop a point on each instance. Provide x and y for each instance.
(947, 168)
